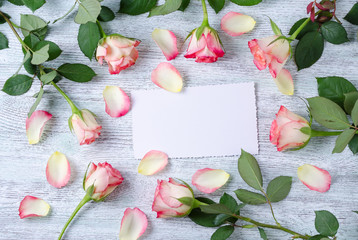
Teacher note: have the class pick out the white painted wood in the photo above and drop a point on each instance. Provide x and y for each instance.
(23, 166)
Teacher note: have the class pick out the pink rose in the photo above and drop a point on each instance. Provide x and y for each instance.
(274, 56)
(104, 178)
(165, 200)
(286, 130)
(205, 49)
(86, 129)
(118, 51)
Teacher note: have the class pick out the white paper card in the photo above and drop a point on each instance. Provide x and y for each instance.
(197, 122)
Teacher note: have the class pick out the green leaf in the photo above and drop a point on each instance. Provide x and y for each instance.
(334, 88)
(352, 15)
(353, 144)
(349, 101)
(48, 77)
(17, 85)
(263, 234)
(276, 30)
(328, 113)
(279, 188)
(4, 43)
(343, 139)
(326, 223)
(2, 19)
(217, 5)
(36, 103)
(249, 197)
(356, 212)
(168, 7)
(32, 24)
(246, 2)
(29, 67)
(184, 5)
(106, 14)
(229, 202)
(310, 27)
(31, 40)
(88, 37)
(34, 4)
(204, 219)
(309, 49)
(41, 55)
(16, 2)
(186, 201)
(354, 114)
(334, 32)
(249, 170)
(76, 72)
(54, 50)
(318, 237)
(136, 7)
(88, 11)
(223, 233)
(216, 209)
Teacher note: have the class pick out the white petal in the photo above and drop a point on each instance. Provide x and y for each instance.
(35, 125)
(58, 170)
(33, 207)
(152, 162)
(236, 24)
(117, 101)
(167, 77)
(284, 82)
(314, 177)
(208, 180)
(166, 41)
(133, 225)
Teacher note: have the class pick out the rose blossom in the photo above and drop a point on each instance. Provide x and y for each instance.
(286, 130)
(165, 200)
(118, 51)
(86, 128)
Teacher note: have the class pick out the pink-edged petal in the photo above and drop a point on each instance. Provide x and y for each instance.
(284, 82)
(133, 225)
(33, 207)
(152, 162)
(314, 177)
(167, 42)
(290, 136)
(236, 24)
(117, 101)
(58, 170)
(35, 125)
(208, 180)
(167, 77)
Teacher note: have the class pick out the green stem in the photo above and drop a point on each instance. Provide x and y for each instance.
(298, 30)
(315, 133)
(79, 206)
(269, 203)
(69, 11)
(205, 12)
(72, 105)
(101, 29)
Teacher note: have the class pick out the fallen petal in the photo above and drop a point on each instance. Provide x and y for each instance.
(117, 101)
(284, 82)
(236, 24)
(33, 207)
(167, 77)
(35, 125)
(153, 162)
(208, 180)
(58, 170)
(133, 225)
(167, 42)
(314, 177)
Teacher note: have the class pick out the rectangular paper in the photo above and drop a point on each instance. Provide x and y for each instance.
(197, 122)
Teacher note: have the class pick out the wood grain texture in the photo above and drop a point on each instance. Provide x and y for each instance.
(23, 165)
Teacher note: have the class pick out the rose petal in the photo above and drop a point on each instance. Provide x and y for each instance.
(290, 136)
(284, 82)
(167, 77)
(208, 180)
(236, 24)
(152, 162)
(35, 125)
(314, 177)
(33, 207)
(166, 41)
(58, 170)
(117, 101)
(133, 225)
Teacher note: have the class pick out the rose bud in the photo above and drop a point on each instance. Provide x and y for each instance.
(289, 130)
(104, 179)
(118, 51)
(85, 127)
(207, 48)
(166, 200)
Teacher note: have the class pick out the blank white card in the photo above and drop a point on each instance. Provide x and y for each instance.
(197, 122)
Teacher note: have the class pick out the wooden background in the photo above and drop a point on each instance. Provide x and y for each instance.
(23, 166)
